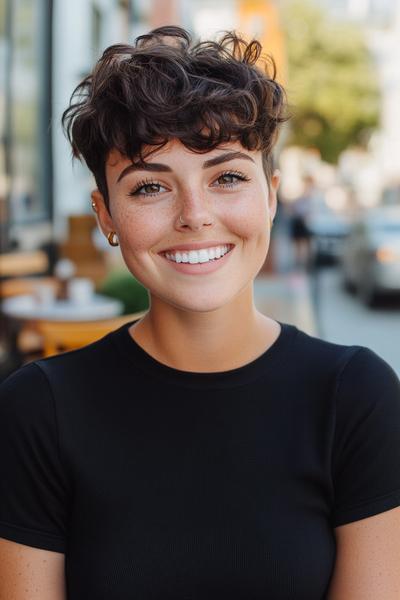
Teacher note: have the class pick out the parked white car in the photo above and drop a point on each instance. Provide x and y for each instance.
(370, 257)
(328, 229)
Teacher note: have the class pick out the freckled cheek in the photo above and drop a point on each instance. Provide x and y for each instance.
(249, 219)
(139, 232)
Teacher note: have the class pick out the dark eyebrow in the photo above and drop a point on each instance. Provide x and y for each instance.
(143, 166)
(224, 158)
(212, 162)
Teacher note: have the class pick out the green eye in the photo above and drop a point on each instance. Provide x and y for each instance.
(231, 178)
(228, 178)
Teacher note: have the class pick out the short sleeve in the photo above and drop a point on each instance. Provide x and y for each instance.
(366, 450)
(33, 485)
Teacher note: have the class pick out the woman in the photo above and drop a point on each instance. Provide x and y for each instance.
(205, 450)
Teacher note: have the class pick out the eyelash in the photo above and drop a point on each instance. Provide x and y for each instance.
(135, 192)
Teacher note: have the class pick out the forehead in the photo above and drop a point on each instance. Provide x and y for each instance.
(175, 150)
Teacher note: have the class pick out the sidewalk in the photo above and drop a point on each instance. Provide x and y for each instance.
(287, 293)
(287, 297)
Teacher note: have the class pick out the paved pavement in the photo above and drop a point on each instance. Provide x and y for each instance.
(287, 297)
(287, 294)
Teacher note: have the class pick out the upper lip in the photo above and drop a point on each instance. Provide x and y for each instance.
(196, 246)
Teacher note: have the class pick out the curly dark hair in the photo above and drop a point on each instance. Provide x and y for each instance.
(139, 97)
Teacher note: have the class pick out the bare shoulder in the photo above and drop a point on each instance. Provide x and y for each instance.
(30, 573)
(368, 559)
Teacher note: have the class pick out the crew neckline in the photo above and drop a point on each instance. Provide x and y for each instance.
(134, 353)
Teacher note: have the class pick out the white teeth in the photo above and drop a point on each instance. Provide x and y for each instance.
(198, 256)
(203, 256)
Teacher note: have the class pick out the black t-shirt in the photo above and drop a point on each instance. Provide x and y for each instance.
(166, 484)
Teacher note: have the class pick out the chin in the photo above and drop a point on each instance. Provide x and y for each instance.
(198, 302)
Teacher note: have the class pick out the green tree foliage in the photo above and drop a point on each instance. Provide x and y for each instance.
(332, 87)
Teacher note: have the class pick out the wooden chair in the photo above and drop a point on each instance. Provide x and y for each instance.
(61, 336)
(79, 247)
(28, 340)
(19, 286)
(16, 264)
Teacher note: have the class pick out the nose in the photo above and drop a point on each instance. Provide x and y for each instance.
(194, 211)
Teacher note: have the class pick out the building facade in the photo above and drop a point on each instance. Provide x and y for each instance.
(46, 47)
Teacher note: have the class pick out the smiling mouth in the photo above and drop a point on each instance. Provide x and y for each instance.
(202, 256)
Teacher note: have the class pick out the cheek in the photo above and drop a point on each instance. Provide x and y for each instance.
(139, 230)
(249, 217)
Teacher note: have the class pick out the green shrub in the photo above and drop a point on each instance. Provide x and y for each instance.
(123, 286)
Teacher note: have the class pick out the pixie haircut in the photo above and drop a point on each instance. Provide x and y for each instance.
(137, 98)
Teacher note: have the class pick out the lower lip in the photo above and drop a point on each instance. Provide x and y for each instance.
(199, 268)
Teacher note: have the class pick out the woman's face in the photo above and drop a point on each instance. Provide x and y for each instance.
(223, 198)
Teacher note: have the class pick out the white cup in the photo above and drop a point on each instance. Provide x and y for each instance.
(45, 293)
(80, 290)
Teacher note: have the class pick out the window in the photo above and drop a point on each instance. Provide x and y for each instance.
(28, 135)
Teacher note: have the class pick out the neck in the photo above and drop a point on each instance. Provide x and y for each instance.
(218, 340)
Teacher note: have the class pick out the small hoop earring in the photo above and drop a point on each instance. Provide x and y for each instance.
(111, 239)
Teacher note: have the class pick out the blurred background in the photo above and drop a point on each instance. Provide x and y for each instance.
(333, 267)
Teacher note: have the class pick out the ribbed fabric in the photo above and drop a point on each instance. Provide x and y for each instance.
(161, 484)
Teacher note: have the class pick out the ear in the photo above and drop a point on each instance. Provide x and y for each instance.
(104, 219)
(273, 192)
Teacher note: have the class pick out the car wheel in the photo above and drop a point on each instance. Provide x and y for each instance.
(348, 285)
(367, 293)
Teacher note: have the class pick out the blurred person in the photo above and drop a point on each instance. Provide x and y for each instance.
(299, 211)
(206, 450)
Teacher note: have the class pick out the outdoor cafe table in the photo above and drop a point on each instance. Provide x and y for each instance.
(28, 308)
